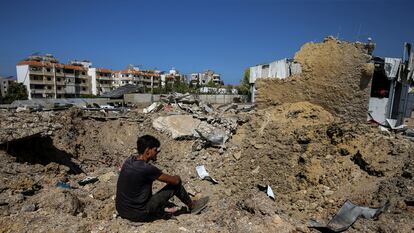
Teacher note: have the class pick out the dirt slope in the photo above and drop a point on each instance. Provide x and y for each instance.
(335, 75)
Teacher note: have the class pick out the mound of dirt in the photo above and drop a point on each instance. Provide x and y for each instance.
(335, 75)
(314, 163)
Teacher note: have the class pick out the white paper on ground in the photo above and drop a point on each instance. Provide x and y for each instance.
(203, 174)
(270, 192)
(201, 171)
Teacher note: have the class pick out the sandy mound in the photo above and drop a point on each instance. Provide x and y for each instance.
(335, 75)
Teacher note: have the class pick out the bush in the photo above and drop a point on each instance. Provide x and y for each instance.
(16, 91)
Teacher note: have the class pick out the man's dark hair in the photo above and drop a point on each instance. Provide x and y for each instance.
(147, 141)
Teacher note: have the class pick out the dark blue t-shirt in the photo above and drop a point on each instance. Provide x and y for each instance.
(134, 187)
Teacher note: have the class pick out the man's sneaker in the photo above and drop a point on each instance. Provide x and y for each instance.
(199, 205)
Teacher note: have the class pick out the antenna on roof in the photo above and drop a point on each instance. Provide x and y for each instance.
(359, 31)
(339, 31)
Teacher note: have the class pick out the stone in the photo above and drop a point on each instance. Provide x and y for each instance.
(29, 208)
(178, 126)
(237, 155)
(107, 176)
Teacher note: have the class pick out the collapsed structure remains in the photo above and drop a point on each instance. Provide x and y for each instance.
(307, 140)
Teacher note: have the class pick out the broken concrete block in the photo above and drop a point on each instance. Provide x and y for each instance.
(107, 176)
(154, 107)
(179, 126)
(211, 134)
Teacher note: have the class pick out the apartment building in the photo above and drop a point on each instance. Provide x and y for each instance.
(141, 78)
(202, 79)
(45, 77)
(4, 85)
(102, 80)
(173, 76)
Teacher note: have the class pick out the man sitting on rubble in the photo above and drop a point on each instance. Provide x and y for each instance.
(134, 198)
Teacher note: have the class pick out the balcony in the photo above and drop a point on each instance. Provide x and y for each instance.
(104, 78)
(105, 85)
(50, 73)
(42, 91)
(38, 72)
(50, 82)
(69, 75)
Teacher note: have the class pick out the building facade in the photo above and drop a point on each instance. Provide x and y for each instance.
(45, 77)
(102, 80)
(145, 79)
(202, 79)
(4, 85)
(172, 77)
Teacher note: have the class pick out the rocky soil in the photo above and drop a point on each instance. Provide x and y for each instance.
(308, 140)
(313, 162)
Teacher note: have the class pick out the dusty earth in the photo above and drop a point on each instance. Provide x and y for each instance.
(335, 75)
(312, 161)
(314, 153)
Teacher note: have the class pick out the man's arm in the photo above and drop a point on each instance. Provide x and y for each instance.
(175, 180)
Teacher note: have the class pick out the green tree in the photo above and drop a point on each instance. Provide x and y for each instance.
(229, 88)
(244, 86)
(16, 91)
(181, 87)
(211, 84)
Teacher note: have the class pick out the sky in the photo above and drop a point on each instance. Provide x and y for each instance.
(226, 36)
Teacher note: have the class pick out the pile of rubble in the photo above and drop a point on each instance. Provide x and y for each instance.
(289, 166)
(189, 118)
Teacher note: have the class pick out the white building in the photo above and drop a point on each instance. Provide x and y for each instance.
(45, 77)
(102, 80)
(173, 76)
(136, 76)
(202, 79)
(279, 69)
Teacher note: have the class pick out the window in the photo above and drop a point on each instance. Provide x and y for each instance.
(59, 88)
(48, 69)
(83, 89)
(35, 68)
(49, 79)
(83, 72)
(58, 70)
(58, 79)
(69, 71)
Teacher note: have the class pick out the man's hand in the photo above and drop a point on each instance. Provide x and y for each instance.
(175, 180)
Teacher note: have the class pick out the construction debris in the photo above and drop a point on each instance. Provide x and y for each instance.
(203, 174)
(347, 216)
(313, 153)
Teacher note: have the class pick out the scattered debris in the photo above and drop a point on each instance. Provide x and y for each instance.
(88, 180)
(63, 185)
(268, 190)
(154, 107)
(347, 216)
(203, 174)
(293, 143)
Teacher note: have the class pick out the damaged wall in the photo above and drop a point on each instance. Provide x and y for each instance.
(335, 74)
